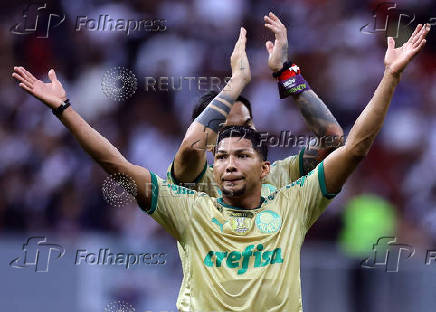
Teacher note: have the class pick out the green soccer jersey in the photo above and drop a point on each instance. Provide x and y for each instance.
(235, 259)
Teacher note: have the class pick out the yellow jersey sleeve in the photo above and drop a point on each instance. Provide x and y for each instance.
(171, 206)
(312, 197)
(285, 171)
(203, 183)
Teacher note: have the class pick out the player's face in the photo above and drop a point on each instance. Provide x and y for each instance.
(238, 169)
(239, 115)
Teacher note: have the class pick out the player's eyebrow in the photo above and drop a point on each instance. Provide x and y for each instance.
(239, 150)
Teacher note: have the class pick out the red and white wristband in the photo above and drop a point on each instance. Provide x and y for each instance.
(290, 80)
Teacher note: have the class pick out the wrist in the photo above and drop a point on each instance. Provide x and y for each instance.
(239, 77)
(389, 73)
(277, 67)
(59, 110)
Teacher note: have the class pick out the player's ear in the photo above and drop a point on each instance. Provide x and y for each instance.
(266, 166)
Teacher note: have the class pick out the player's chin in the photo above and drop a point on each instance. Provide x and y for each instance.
(234, 190)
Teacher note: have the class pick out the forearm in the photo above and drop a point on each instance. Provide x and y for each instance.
(323, 124)
(191, 156)
(97, 146)
(217, 111)
(370, 121)
(317, 116)
(342, 162)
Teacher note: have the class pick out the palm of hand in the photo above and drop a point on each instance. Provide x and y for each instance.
(51, 91)
(278, 55)
(396, 59)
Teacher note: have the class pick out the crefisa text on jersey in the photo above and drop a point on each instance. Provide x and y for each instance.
(261, 259)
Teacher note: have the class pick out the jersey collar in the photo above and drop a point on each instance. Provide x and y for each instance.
(221, 202)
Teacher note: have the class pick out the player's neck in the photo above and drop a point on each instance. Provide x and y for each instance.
(250, 200)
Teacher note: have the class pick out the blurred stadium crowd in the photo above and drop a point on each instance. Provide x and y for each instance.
(48, 183)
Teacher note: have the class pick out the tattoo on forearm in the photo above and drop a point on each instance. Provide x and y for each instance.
(320, 120)
(315, 112)
(216, 112)
(310, 160)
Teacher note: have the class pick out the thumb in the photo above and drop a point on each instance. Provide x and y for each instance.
(269, 46)
(391, 43)
(52, 75)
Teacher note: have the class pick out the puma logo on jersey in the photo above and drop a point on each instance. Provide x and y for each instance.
(233, 260)
(214, 220)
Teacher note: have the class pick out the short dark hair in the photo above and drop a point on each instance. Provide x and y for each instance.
(247, 133)
(206, 98)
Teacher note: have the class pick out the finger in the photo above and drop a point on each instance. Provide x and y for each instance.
(415, 36)
(417, 29)
(30, 76)
(21, 77)
(21, 71)
(17, 75)
(52, 75)
(240, 38)
(267, 19)
(274, 17)
(420, 46)
(28, 89)
(273, 28)
(422, 34)
(269, 46)
(391, 43)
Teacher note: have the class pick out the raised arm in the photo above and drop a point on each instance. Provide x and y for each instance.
(339, 164)
(99, 148)
(317, 116)
(191, 156)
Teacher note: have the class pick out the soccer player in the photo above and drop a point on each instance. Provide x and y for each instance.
(243, 249)
(229, 108)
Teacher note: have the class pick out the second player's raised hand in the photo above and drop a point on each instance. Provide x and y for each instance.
(52, 93)
(239, 59)
(278, 51)
(396, 59)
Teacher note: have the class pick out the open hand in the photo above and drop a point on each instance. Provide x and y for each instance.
(397, 59)
(278, 51)
(52, 93)
(239, 59)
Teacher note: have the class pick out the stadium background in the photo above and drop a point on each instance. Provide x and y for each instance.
(50, 187)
